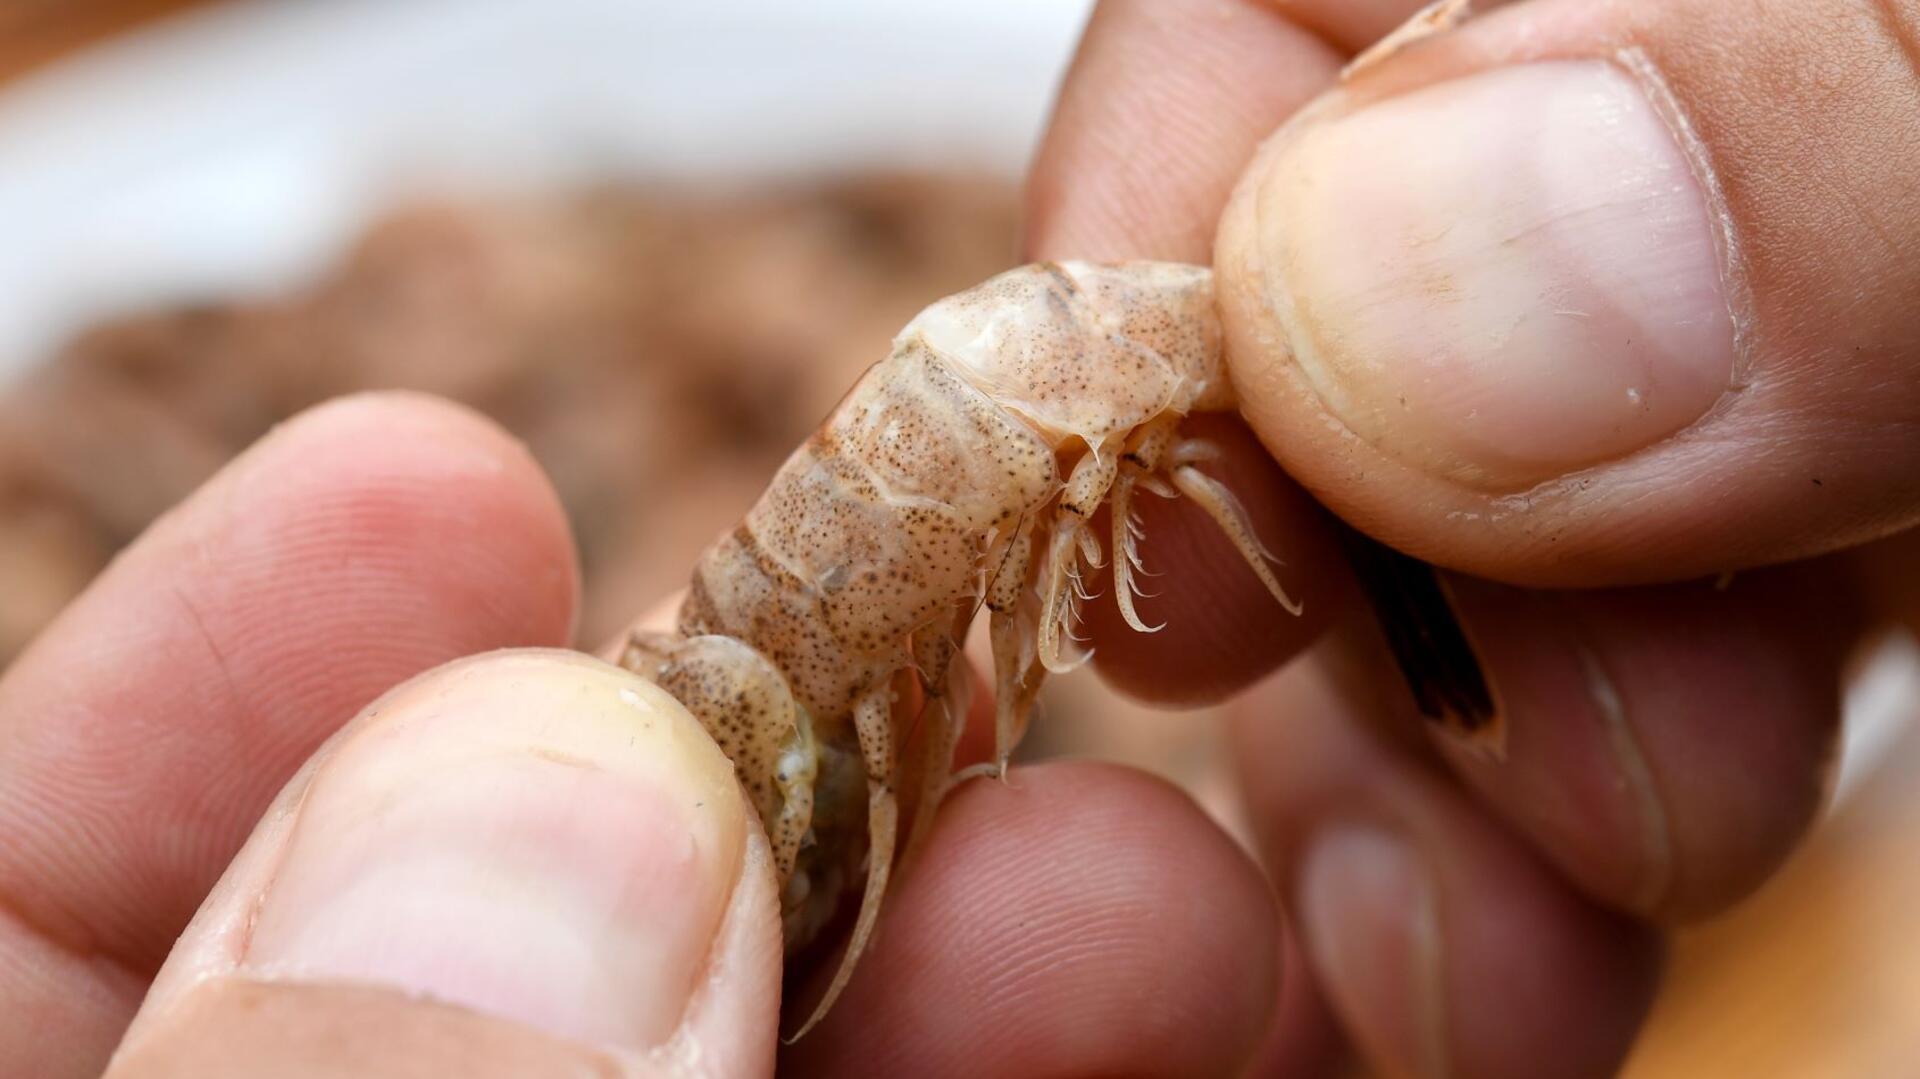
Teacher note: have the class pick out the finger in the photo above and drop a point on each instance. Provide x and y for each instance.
(1353, 25)
(1304, 1040)
(1443, 945)
(1880, 577)
(1666, 747)
(1093, 920)
(1161, 109)
(149, 726)
(1163, 105)
(1568, 296)
(524, 863)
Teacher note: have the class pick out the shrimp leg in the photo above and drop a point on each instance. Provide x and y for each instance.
(1014, 667)
(1154, 455)
(1072, 541)
(1138, 466)
(945, 683)
(1220, 504)
(1126, 549)
(873, 722)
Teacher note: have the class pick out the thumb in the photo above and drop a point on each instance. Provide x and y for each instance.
(522, 864)
(1584, 294)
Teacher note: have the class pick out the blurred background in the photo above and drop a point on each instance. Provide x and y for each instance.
(657, 241)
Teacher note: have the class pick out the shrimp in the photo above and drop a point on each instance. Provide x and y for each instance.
(961, 471)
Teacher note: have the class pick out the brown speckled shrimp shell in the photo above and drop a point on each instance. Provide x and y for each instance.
(959, 473)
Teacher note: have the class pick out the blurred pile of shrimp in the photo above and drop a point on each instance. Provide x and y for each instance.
(661, 292)
(659, 350)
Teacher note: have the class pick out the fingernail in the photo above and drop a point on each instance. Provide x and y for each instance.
(533, 835)
(1370, 924)
(1500, 278)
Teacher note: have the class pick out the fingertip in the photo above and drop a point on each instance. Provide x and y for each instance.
(362, 542)
(1160, 110)
(1444, 945)
(405, 467)
(1091, 916)
(1669, 746)
(232, 1029)
(532, 837)
(1697, 370)
(1305, 1041)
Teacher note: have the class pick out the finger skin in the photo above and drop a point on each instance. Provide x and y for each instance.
(596, 900)
(233, 1028)
(1093, 920)
(147, 729)
(1469, 958)
(1304, 1041)
(1801, 112)
(1165, 102)
(1352, 25)
(1666, 747)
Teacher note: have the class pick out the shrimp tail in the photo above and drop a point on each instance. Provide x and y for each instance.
(883, 817)
(874, 724)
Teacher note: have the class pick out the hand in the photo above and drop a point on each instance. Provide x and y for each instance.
(1573, 296)
(518, 864)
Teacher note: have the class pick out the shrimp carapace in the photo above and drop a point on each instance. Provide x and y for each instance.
(962, 471)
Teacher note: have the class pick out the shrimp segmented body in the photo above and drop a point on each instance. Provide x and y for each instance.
(961, 472)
